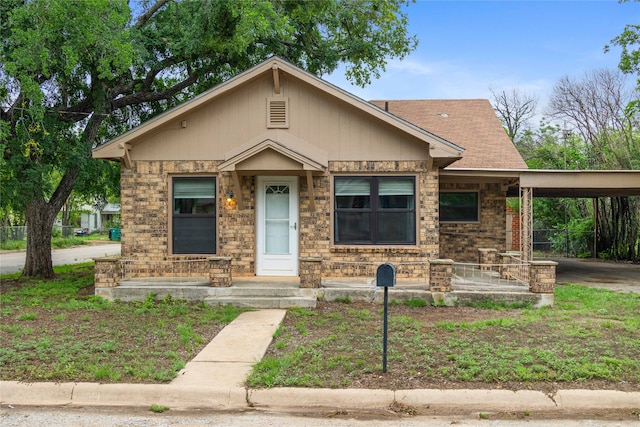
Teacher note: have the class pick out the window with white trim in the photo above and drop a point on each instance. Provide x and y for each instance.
(194, 215)
(374, 210)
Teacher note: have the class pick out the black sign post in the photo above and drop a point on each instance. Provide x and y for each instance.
(385, 277)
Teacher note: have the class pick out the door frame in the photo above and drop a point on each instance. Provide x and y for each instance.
(265, 263)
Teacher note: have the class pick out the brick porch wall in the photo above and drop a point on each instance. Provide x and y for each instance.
(460, 241)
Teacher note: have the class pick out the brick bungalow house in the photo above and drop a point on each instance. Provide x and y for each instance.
(279, 173)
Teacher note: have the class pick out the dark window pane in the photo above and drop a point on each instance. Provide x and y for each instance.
(459, 206)
(353, 202)
(194, 235)
(396, 227)
(396, 202)
(353, 227)
(194, 206)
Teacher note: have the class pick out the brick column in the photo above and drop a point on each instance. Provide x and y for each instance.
(506, 260)
(440, 272)
(107, 272)
(310, 272)
(220, 271)
(487, 257)
(542, 276)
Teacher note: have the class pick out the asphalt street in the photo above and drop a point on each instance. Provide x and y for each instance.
(13, 261)
(84, 417)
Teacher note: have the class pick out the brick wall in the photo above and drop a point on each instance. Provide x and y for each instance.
(460, 241)
(146, 219)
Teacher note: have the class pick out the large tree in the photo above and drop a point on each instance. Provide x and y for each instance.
(72, 72)
(597, 108)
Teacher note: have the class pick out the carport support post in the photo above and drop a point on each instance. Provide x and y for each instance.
(595, 228)
(526, 222)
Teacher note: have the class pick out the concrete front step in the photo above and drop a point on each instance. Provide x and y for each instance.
(265, 291)
(263, 302)
(268, 296)
(139, 293)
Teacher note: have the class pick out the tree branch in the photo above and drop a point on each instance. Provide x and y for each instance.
(142, 19)
(149, 96)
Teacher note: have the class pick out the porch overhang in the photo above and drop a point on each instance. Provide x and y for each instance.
(275, 152)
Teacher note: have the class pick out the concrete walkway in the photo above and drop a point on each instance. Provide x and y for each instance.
(214, 380)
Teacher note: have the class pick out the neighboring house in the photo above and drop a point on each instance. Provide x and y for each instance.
(93, 219)
(110, 216)
(276, 169)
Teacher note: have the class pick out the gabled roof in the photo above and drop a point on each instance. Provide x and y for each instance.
(440, 148)
(469, 123)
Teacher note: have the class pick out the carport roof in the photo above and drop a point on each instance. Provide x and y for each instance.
(558, 183)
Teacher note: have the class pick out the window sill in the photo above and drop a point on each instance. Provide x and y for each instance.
(404, 249)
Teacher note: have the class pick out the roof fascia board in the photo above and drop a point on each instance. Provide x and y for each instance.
(573, 179)
(490, 173)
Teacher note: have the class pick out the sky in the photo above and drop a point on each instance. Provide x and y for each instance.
(467, 47)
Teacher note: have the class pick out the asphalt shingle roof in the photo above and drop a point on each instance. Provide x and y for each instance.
(469, 123)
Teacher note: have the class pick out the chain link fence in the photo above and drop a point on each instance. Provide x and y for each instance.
(19, 233)
(561, 242)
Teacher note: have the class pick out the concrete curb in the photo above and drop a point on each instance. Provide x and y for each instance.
(228, 398)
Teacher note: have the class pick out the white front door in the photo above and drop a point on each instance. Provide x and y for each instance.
(277, 226)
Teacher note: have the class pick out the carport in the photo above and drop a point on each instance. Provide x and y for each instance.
(529, 183)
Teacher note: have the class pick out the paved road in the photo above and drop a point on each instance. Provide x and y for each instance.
(81, 417)
(11, 262)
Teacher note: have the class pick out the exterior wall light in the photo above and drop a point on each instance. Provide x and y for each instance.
(229, 196)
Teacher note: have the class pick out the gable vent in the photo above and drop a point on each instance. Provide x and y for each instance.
(277, 113)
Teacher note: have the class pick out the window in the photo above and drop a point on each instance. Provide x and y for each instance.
(194, 215)
(459, 207)
(374, 210)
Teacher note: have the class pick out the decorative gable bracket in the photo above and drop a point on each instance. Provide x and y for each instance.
(126, 157)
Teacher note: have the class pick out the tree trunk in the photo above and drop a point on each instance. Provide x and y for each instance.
(40, 217)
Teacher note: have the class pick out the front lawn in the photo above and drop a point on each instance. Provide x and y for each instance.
(589, 339)
(59, 331)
